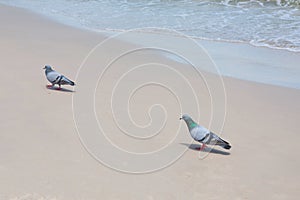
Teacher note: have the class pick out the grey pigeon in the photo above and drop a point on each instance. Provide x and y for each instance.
(203, 135)
(56, 78)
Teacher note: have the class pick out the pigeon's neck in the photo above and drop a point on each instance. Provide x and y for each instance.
(48, 70)
(190, 124)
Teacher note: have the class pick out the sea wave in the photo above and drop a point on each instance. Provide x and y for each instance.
(284, 3)
(270, 23)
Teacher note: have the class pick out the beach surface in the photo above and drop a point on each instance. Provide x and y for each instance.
(51, 148)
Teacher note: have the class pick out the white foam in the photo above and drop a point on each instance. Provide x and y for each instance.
(227, 20)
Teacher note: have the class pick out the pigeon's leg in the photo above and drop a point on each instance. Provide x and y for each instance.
(202, 147)
(59, 87)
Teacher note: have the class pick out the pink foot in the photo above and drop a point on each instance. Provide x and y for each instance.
(49, 86)
(58, 88)
(201, 148)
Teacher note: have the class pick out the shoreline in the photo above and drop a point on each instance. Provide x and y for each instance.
(41, 153)
(258, 64)
(67, 20)
(263, 72)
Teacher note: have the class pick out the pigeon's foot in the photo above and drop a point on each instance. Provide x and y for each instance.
(59, 88)
(203, 146)
(49, 86)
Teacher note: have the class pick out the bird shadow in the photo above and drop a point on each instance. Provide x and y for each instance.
(195, 147)
(58, 89)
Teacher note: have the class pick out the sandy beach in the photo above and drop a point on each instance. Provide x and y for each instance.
(50, 147)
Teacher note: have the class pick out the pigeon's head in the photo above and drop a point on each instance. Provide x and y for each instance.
(185, 117)
(47, 67)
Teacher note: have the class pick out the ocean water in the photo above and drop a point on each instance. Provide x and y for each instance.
(270, 23)
(273, 23)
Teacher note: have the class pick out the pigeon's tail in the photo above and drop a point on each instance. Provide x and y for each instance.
(72, 83)
(62, 80)
(226, 146)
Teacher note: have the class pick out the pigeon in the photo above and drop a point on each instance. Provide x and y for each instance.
(56, 78)
(203, 135)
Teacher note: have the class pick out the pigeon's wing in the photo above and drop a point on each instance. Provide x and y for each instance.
(56, 78)
(214, 139)
(199, 133)
(65, 81)
(53, 76)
